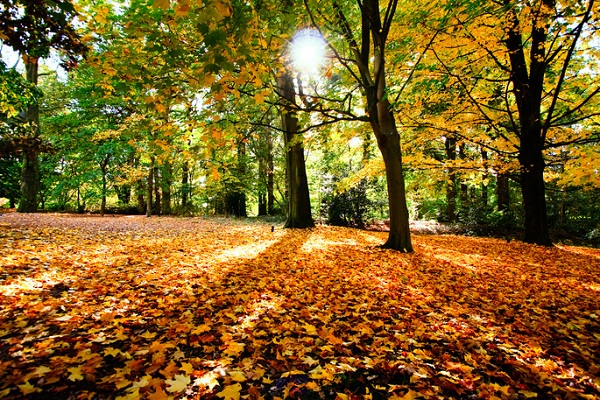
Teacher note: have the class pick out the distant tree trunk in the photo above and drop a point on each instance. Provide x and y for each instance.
(157, 194)
(104, 169)
(262, 204)
(484, 184)
(141, 201)
(185, 185)
(502, 192)
(451, 192)
(166, 181)
(262, 196)
(465, 198)
(299, 210)
(30, 173)
(150, 188)
(270, 177)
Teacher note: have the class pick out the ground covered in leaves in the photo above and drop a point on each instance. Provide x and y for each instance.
(131, 307)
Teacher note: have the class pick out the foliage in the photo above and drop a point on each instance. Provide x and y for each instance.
(33, 28)
(131, 307)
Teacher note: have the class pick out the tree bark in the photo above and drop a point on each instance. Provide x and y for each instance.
(157, 193)
(104, 170)
(30, 173)
(502, 192)
(299, 210)
(150, 188)
(270, 177)
(451, 193)
(165, 183)
(185, 185)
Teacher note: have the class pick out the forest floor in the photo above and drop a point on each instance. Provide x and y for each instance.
(134, 307)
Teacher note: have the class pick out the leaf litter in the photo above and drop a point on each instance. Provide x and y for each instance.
(160, 308)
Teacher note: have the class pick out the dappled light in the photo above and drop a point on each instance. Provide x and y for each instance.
(205, 308)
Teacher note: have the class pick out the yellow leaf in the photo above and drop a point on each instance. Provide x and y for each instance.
(223, 8)
(178, 384)
(200, 328)
(182, 10)
(259, 98)
(310, 329)
(28, 388)
(75, 374)
(160, 108)
(234, 348)
(41, 370)
(162, 4)
(187, 368)
(231, 392)
(237, 376)
(528, 394)
(148, 335)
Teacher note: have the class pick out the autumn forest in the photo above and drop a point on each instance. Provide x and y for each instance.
(339, 199)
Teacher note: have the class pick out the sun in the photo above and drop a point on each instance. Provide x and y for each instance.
(308, 51)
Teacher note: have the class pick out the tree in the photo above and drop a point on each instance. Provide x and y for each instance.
(361, 48)
(525, 89)
(33, 29)
(299, 211)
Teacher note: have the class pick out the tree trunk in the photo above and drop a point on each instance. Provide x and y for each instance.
(150, 188)
(299, 210)
(451, 193)
(502, 192)
(534, 195)
(527, 77)
(157, 193)
(185, 186)
(389, 145)
(382, 119)
(29, 180)
(484, 184)
(166, 181)
(30, 173)
(270, 177)
(104, 170)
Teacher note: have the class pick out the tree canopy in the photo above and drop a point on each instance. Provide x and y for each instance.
(483, 112)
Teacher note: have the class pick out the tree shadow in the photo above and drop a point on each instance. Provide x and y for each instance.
(303, 314)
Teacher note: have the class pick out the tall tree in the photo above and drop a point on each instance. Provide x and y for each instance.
(522, 71)
(33, 29)
(299, 211)
(361, 47)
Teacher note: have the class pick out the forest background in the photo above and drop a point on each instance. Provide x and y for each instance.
(200, 108)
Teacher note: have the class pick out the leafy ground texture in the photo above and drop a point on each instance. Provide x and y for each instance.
(131, 307)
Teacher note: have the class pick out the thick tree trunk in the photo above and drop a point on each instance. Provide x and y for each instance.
(533, 189)
(30, 173)
(527, 76)
(502, 192)
(299, 210)
(29, 181)
(399, 236)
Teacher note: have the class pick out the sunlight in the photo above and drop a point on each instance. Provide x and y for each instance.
(307, 51)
